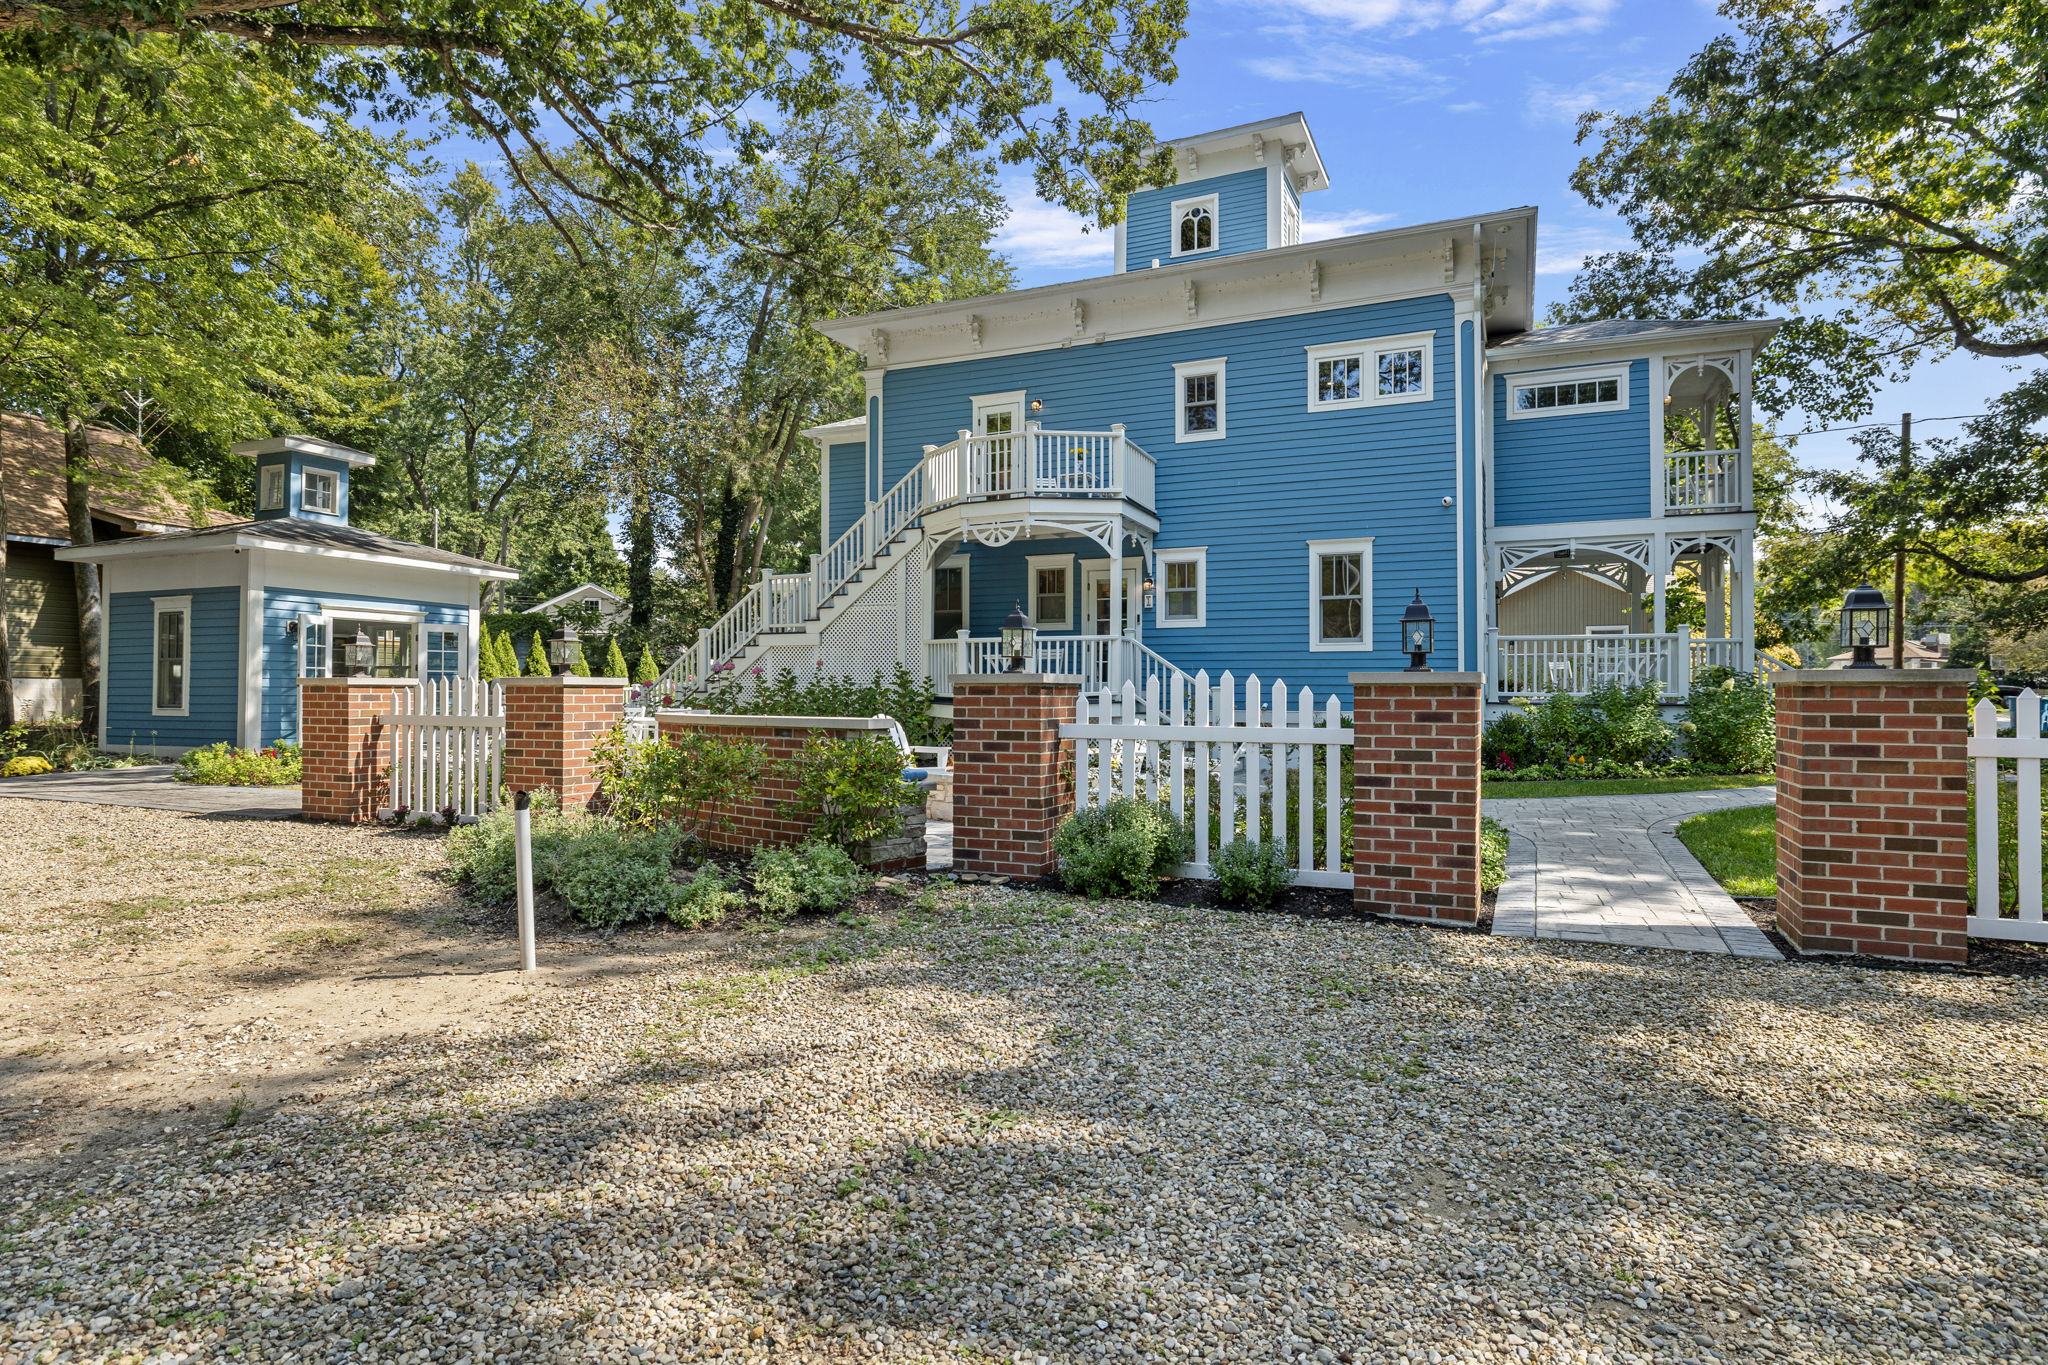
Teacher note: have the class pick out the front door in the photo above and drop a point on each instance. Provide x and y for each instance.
(999, 418)
(1095, 592)
(949, 601)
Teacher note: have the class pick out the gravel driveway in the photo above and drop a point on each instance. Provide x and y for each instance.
(998, 1126)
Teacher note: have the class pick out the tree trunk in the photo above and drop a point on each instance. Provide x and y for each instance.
(7, 716)
(639, 563)
(85, 578)
(727, 563)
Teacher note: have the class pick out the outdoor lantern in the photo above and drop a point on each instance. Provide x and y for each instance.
(562, 650)
(1018, 637)
(1866, 624)
(1418, 634)
(362, 652)
(1149, 588)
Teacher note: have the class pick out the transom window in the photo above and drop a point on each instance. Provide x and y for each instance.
(1363, 374)
(1194, 225)
(1580, 391)
(1183, 578)
(322, 490)
(1198, 400)
(171, 657)
(1340, 594)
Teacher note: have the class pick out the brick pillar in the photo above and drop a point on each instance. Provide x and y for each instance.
(1874, 810)
(551, 725)
(1013, 779)
(344, 754)
(1415, 795)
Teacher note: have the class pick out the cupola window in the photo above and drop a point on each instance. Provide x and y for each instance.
(1194, 225)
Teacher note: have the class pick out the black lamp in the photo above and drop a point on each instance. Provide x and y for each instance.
(362, 652)
(1866, 624)
(1418, 634)
(1018, 638)
(562, 650)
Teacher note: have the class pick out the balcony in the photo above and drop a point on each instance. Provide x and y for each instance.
(1036, 463)
(1703, 481)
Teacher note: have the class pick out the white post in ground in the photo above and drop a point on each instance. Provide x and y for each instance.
(522, 855)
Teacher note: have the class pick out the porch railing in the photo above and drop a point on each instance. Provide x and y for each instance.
(1703, 481)
(1100, 660)
(1718, 654)
(1537, 665)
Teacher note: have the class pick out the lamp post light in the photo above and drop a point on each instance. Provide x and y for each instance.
(1018, 638)
(362, 653)
(1418, 634)
(562, 651)
(1866, 624)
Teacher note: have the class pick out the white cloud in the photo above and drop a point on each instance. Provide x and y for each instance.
(1357, 67)
(1466, 107)
(1488, 20)
(1339, 225)
(1038, 234)
(1564, 104)
(1562, 250)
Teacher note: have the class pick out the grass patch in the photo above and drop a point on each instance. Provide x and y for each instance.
(321, 938)
(1623, 786)
(1739, 847)
(1493, 854)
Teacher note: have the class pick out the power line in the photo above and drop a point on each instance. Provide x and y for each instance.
(1873, 426)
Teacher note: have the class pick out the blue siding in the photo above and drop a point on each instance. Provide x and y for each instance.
(1241, 209)
(1593, 467)
(294, 496)
(212, 692)
(1283, 476)
(281, 606)
(845, 469)
(999, 579)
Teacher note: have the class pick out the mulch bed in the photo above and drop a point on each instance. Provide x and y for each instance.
(1988, 957)
(1303, 902)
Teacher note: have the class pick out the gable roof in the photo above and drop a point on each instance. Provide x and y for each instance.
(292, 534)
(132, 492)
(579, 590)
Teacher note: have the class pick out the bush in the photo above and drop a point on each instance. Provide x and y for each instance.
(1121, 849)
(813, 876)
(1508, 744)
(26, 765)
(1493, 854)
(482, 854)
(1623, 724)
(850, 786)
(223, 765)
(1731, 721)
(706, 898)
(690, 777)
(608, 873)
(899, 694)
(1250, 873)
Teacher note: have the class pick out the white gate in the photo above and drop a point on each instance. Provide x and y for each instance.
(446, 738)
(2015, 886)
(1255, 768)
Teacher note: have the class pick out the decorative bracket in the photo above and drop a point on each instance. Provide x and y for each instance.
(1315, 281)
(878, 346)
(974, 329)
(1450, 259)
(1080, 318)
(1258, 150)
(1188, 294)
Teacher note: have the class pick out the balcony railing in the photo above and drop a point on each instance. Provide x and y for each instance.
(1703, 481)
(1038, 463)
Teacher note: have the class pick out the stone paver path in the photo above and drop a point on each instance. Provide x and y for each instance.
(152, 787)
(1610, 869)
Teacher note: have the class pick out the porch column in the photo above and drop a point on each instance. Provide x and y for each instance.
(1011, 770)
(1742, 601)
(1714, 587)
(1415, 795)
(1116, 604)
(1659, 555)
(551, 726)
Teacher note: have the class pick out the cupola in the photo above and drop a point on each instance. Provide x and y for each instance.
(1239, 189)
(303, 477)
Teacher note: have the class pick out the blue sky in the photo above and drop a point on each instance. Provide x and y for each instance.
(1428, 109)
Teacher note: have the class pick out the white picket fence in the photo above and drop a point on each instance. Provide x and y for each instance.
(447, 737)
(2026, 747)
(1225, 761)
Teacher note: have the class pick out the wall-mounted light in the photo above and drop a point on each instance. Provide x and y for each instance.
(1148, 587)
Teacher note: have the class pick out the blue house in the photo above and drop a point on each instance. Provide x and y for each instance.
(1246, 451)
(205, 634)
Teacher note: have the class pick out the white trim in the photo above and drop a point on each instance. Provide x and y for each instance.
(562, 597)
(160, 608)
(281, 473)
(1534, 379)
(1368, 352)
(1095, 571)
(965, 564)
(1317, 550)
(1198, 555)
(393, 615)
(254, 539)
(1212, 202)
(1273, 199)
(249, 723)
(302, 445)
(332, 482)
(1183, 371)
(1117, 259)
(309, 621)
(106, 619)
(1032, 564)
(461, 669)
(982, 404)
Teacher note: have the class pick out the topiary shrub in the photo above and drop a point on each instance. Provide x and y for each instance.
(1250, 873)
(1121, 849)
(813, 876)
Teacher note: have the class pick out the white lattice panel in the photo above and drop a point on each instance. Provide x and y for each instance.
(866, 635)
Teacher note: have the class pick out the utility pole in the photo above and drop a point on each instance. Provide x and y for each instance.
(1899, 554)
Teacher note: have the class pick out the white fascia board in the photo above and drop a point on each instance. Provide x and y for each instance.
(95, 554)
(303, 445)
(1622, 528)
(1514, 359)
(846, 430)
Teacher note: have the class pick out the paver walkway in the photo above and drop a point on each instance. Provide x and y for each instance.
(1610, 869)
(152, 787)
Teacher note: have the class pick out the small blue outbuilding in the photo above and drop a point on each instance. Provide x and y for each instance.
(205, 634)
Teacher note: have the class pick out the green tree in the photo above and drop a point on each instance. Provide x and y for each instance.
(537, 658)
(579, 666)
(645, 669)
(614, 659)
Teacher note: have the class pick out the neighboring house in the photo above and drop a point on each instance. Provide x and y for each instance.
(126, 500)
(206, 633)
(1918, 654)
(1245, 451)
(611, 608)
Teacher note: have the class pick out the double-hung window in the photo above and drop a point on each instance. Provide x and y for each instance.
(1340, 594)
(1555, 394)
(1198, 400)
(1052, 591)
(320, 491)
(170, 668)
(1366, 374)
(1183, 587)
(271, 494)
(1195, 225)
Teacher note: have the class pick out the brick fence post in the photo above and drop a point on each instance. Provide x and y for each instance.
(342, 741)
(1873, 811)
(1012, 773)
(1415, 795)
(551, 725)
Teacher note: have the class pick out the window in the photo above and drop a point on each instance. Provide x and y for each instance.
(1581, 391)
(1194, 225)
(1198, 401)
(171, 656)
(272, 493)
(1290, 220)
(322, 490)
(1183, 587)
(1052, 591)
(391, 656)
(949, 600)
(313, 647)
(1364, 374)
(1340, 594)
(444, 652)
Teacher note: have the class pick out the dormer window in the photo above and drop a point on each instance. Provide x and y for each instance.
(270, 497)
(1194, 225)
(322, 491)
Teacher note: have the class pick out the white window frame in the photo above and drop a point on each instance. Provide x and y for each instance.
(310, 625)
(982, 404)
(330, 480)
(1197, 555)
(1191, 369)
(965, 564)
(1317, 550)
(276, 488)
(1290, 220)
(1368, 353)
(1032, 564)
(1211, 202)
(426, 632)
(1531, 379)
(162, 607)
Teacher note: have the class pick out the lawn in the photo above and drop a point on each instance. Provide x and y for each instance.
(1622, 786)
(1739, 847)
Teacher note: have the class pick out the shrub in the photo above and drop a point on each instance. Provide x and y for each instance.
(482, 854)
(812, 876)
(614, 659)
(645, 670)
(26, 765)
(1120, 849)
(709, 896)
(1493, 854)
(690, 777)
(1250, 873)
(899, 694)
(1508, 744)
(850, 786)
(223, 765)
(608, 873)
(1731, 721)
(1613, 721)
